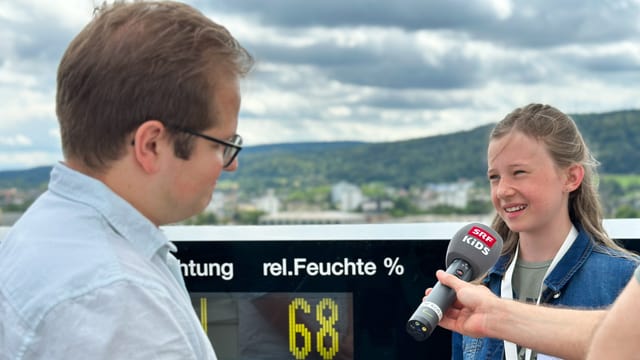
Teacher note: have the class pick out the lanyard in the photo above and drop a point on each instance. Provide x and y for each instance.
(506, 291)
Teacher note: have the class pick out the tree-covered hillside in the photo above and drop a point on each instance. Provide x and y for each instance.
(614, 138)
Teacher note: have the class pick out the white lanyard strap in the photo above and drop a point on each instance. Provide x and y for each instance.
(506, 290)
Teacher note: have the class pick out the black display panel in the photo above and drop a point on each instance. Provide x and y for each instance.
(278, 325)
(313, 299)
(321, 292)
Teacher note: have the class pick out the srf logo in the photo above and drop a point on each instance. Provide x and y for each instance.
(481, 235)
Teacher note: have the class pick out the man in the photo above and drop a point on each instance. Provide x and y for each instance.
(147, 101)
(565, 333)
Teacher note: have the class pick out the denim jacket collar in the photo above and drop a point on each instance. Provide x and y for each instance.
(562, 273)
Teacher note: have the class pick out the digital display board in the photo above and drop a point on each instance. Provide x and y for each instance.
(321, 291)
(313, 292)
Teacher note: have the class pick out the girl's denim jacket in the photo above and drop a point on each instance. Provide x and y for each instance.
(589, 275)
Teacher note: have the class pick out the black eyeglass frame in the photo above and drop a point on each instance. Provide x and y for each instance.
(229, 144)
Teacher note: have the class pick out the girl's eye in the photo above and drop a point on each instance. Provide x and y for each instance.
(493, 177)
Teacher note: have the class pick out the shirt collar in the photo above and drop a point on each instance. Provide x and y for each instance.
(120, 215)
(570, 262)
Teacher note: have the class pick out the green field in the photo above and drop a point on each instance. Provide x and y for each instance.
(626, 181)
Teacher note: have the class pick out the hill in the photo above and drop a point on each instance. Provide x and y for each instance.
(614, 138)
(25, 179)
(400, 163)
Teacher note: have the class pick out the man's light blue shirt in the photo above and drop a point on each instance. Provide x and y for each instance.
(84, 275)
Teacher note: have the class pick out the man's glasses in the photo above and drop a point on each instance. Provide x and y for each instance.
(231, 147)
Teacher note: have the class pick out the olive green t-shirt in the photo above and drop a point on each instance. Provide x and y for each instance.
(527, 281)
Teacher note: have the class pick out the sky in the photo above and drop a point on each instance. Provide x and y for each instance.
(374, 71)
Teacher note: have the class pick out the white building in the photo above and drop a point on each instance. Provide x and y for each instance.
(454, 194)
(346, 196)
(313, 217)
(268, 203)
(217, 204)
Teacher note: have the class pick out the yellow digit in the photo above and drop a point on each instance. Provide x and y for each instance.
(327, 328)
(298, 328)
(203, 313)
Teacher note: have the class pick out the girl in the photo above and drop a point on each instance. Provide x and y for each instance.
(548, 213)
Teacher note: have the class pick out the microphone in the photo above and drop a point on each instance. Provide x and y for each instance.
(471, 252)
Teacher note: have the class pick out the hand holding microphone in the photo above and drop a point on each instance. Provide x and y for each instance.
(471, 252)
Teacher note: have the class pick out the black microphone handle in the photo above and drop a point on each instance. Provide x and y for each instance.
(427, 316)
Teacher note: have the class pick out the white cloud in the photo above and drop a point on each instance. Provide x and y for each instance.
(27, 159)
(73, 14)
(367, 79)
(21, 105)
(54, 133)
(15, 141)
(503, 8)
(11, 11)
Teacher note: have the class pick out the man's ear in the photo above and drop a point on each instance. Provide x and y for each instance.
(575, 174)
(149, 139)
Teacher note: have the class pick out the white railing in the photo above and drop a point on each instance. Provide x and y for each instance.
(622, 229)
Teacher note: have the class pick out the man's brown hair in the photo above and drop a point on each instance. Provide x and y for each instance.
(139, 61)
